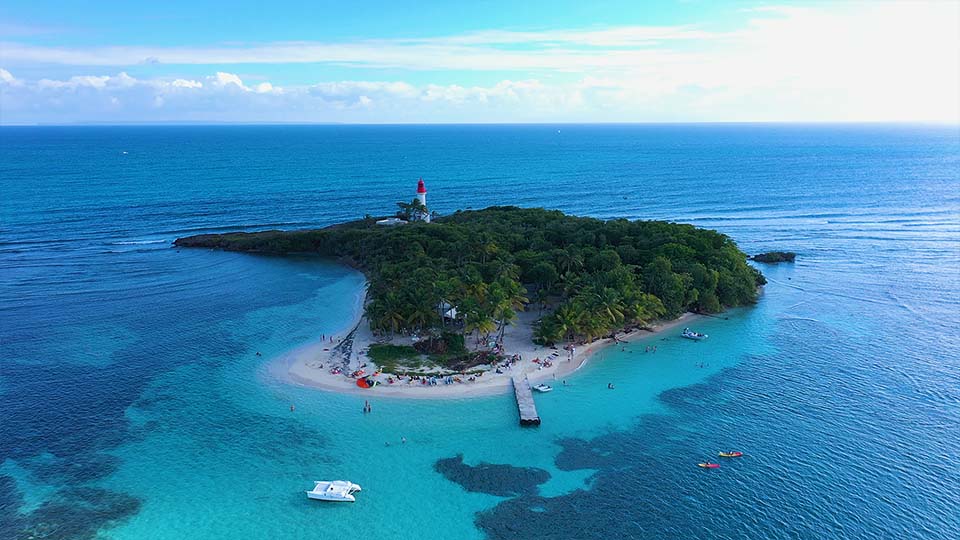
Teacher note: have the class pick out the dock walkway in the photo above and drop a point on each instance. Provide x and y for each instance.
(525, 404)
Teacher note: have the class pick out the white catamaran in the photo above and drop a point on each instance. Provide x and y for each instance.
(337, 490)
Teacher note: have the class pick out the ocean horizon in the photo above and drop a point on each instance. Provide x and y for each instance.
(135, 399)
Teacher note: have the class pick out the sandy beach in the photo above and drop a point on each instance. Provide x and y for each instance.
(310, 364)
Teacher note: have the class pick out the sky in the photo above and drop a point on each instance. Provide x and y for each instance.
(394, 61)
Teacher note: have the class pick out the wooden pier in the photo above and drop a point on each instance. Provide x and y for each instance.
(525, 404)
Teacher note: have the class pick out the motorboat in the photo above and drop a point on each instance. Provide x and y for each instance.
(337, 490)
(690, 334)
(543, 388)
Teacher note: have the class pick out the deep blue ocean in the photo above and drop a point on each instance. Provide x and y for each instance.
(133, 405)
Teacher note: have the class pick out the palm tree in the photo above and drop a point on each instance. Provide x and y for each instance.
(594, 327)
(516, 295)
(386, 313)
(568, 320)
(506, 315)
(568, 260)
(412, 209)
(649, 307)
(488, 249)
(541, 298)
(480, 323)
(607, 301)
(475, 288)
(421, 315)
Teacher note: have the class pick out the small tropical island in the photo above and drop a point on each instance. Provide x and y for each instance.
(473, 298)
(773, 257)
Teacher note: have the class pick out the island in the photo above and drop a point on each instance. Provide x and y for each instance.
(478, 296)
(773, 257)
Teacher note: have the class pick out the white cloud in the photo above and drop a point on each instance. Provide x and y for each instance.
(123, 98)
(623, 36)
(183, 83)
(7, 78)
(226, 79)
(347, 89)
(851, 61)
(75, 82)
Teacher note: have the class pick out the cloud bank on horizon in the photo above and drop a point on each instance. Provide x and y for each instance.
(819, 62)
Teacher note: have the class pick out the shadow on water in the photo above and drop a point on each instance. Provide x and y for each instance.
(499, 480)
(73, 514)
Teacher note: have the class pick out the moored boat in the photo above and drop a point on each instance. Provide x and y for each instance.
(543, 388)
(690, 334)
(337, 491)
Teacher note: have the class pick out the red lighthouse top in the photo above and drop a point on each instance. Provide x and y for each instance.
(420, 187)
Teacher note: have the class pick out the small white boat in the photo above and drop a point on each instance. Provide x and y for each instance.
(337, 490)
(690, 334)
(543, 388)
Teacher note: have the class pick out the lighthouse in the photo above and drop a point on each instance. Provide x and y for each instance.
(422, 197)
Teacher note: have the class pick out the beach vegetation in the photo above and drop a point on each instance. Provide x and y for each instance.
(385, 352)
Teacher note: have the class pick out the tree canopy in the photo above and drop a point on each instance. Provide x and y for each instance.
(597, 275)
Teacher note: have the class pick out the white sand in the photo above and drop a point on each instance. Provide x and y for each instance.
(310, 364)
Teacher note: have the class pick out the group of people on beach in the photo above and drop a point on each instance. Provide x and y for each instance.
(433, 380)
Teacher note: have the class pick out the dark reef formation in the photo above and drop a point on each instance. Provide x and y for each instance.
(773, 257)
(500, 480)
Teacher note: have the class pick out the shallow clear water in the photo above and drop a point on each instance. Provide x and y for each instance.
(134, 405)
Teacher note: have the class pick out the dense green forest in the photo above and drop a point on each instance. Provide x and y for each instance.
(587, 276)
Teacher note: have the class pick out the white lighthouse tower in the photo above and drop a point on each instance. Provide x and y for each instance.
(422, 197)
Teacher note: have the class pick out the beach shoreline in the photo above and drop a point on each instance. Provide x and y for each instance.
(309, 365)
